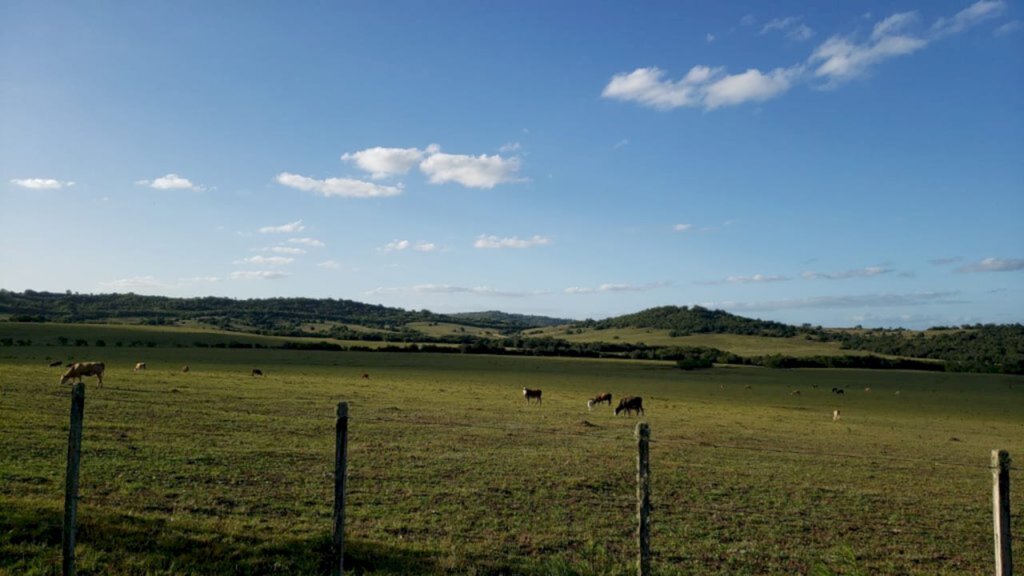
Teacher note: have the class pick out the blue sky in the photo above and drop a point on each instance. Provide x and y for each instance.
(836, 164)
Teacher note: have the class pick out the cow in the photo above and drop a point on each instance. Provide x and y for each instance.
(630, 404)
(140, 366)
(366, 376)
(603, 397)
(80, 369)
(257, 372)
(838, 391)
(184, 368)
(835, 415)
(794, 393)
(56, 363)
(530, 394)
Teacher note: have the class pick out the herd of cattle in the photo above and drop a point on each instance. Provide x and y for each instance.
(628, 404)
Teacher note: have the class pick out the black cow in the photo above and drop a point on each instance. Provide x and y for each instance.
(630, 404)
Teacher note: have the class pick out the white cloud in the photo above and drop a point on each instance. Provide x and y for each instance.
(266, 260)
(510, 147)
(449, 289)
(330, 264)
(41, 183)
(613, 287)
(383, 162)
(839, 59)
(289, 228)
(893, 24)
(398, 245)
(285, 250)
(134, 283)
(852, 301)
(198, 280)
(258, 275)
(756, 278)
(867, 272)
(395, 245)
(1008, 28)
(994, 265)
(471, 171)
(779, 24)
(682, 227)
(484, 241)
(749, 86)
(973, 14)
(343, 187)
(307, 242)
(702, 86)
(646, 86)
(709, 37)
(791, 26)
(170, 182)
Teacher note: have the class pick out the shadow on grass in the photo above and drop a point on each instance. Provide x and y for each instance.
(112, 543)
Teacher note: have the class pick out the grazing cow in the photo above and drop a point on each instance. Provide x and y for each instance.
(838, 391)
(140, 366)
(80, 369)
(605, 397)
(630, 404)
(868, 389)
(257, 372)
(56, 363)
(835, 415)
(529, 394)
(794, 393)
(184, 368)
(366, 376)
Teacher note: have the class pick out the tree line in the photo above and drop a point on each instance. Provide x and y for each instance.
(977, 348)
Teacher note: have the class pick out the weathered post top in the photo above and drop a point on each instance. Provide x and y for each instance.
(342, 409)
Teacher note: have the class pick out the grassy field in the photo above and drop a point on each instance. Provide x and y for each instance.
(735, 343)
(218, 472)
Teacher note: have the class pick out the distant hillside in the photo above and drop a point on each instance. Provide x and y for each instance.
(493, 319)
(979, 348)
(286, 316)
(683, 321)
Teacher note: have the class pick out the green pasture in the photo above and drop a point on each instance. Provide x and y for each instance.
(736, 343)
(438, 329)
(48, 336)
(451, 472)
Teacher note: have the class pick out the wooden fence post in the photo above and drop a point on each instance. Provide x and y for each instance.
(1001, 511)
(643, 499)
(340, 471)
(71, 478)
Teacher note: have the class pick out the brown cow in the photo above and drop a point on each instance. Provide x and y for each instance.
(80, 369)
(257, 372)
(603, 397)
(528, 394)
(184, 368)
(630, 404)
(366, 376)
(140, 366)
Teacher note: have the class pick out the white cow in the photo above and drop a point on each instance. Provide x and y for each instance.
(80, 369)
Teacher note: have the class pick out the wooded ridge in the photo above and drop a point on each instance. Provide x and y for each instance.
(974, 348)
